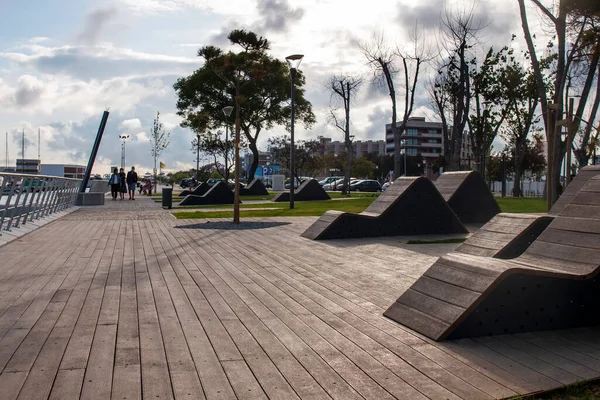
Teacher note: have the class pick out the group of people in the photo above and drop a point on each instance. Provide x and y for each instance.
(121, 183)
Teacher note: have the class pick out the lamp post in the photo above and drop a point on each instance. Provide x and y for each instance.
(293, 62)
(197, 157)
(504, 174)
(123, 137)
(227, 112)
(405, 154)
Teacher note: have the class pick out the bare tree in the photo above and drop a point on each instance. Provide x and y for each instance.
(383, 60)
(160, 141)
(343, 88)
(554, 106)
(451, 89)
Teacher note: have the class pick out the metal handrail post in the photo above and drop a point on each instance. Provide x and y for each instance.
(58, 197)
(42, 201)
(52, 198)
(26, 189)
(5, 182)
(34, 191)
(35, 197)
(41, 189)
(12, 217)
(61, 196)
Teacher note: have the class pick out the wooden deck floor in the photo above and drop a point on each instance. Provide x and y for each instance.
(125, 302)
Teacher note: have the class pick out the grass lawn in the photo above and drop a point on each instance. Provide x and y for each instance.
(521, 205)
(302, 209)
(357, 203)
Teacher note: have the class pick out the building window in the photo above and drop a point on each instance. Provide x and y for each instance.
(412, 132)
(433, 141)
(433, 132)
(411, 152)
(411, 142)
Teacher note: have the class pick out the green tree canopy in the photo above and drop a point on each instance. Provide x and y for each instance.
(259, 83)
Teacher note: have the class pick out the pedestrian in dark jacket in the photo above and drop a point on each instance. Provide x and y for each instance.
(123, 183)
(132, 180)
(115, 183)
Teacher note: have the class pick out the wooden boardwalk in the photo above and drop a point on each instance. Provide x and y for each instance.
(125, 302)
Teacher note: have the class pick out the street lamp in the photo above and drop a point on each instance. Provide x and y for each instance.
(197, 157)
(227, 112)
(293, 62)
(123, 137)
(405, 142)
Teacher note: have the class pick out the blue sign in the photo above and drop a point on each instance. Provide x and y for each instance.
(268, 170)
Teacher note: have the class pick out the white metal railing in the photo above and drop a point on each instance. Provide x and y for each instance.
(24, 198)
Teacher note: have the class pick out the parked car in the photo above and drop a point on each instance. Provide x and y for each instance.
(298, 182)
(366, 185)
(185, 183)
(329, 180)
(338, 185)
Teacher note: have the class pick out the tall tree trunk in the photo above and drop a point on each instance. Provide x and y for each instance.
(348, 142)
(582, 153)
(254, 149)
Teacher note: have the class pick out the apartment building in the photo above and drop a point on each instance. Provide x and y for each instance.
(28, 166)
(64, 170)
(360, 148)
(419, 138)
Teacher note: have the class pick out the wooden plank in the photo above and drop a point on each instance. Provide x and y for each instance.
(532, 362)
(243, 381)
(267, 374)
(67, 384)
(11, 383)
(99, 372)
(126, 382)
(458, 296)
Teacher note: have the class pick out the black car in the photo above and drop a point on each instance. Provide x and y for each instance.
(185, 183)
(365, 186)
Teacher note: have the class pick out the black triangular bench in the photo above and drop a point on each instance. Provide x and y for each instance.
(199, 190)
(254, 188)
(468, 195)
(309, 190)
(219, 193)
(411, 206)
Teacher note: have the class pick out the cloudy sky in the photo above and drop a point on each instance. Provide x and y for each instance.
(63, 62)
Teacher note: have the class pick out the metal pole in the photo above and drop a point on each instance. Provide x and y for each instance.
(23, 152)
(198, 157)
(226, 152)
(504, 175)
(292, 180)
(236, 200)
(90, 165)
(405, 154)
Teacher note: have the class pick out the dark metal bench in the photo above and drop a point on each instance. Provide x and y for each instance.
(199, 190)
(468, 195)
(411, 206)
(552, 285)
(254, 188)
(309, 190)
(219, 193)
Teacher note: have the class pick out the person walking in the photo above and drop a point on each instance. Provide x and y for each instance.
(122, 182)
(115, 183)
(132, 180)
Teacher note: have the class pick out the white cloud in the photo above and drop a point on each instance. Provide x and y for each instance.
(38, 39)
(130, 125)
(230, 7)
(142, 137)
